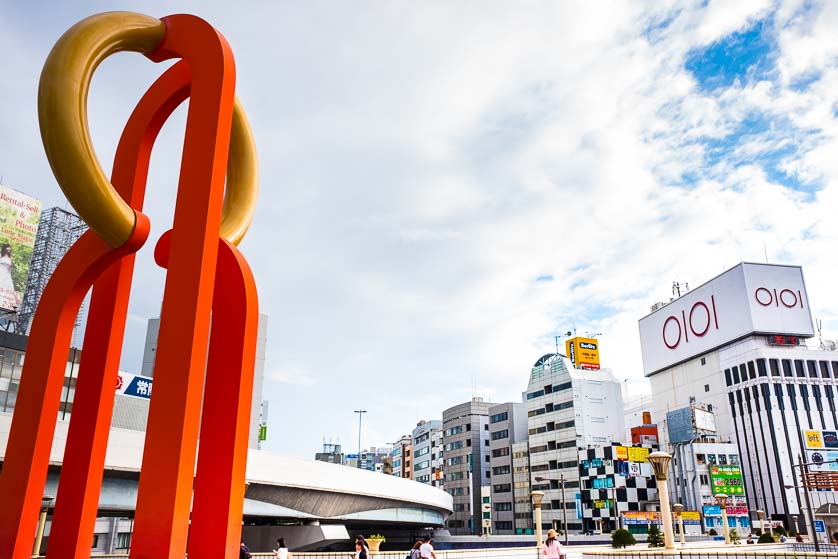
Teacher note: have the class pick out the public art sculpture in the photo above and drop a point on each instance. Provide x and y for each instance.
(205, 274)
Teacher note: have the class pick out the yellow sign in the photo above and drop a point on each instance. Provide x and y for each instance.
(690, 515)
(622, 453)
(583, 352)
(814, 439)
(638, 454)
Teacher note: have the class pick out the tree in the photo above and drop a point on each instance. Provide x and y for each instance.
(765, 537)
(712, 532)
(655, 538)
(622, 538)
(734, 536)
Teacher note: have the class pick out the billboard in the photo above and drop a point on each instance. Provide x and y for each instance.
(583, 352)
(704, 420)
(746, 299)
(822, 460)
(19, 216)
(821, 439)
(726, 480)
(133, 385)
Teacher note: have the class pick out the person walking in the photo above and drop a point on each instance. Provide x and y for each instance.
(360, 550)
(414, 552)
(426, 550)
(282, 549)
(835, 538)
(552, 549)
(244, 552)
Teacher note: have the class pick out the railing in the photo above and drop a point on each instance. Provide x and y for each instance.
(494, 553)
(825, 547)
(743, 552)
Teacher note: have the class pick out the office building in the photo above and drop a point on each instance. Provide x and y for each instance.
(507, 427)
(742, 345)
(465, 441)
(331, 453)
(521, 487)
(427, 453)
(567, 409)
(401, 453)
(615, 480)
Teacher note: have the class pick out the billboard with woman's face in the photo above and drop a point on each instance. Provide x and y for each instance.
(19, 216)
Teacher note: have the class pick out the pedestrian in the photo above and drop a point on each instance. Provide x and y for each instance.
(282, 549)
(360, 539)
(414, 552)
(798, 538)
(552, 549)
(244, 552)
(426, 550)
(360, 550)
(835, 538)
(750, 539)
(783, 538)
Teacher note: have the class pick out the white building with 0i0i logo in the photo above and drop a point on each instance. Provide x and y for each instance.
(738, 344)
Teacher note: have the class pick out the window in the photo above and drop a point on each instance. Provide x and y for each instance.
(485, 442)
(761, 368)
(563, 386)
(536, 394)
(397, 451)
(454, 430)
(735, 371)
(704, 479)
(752, 374)
(498, 452)
(503, 525)
(95, 541)
(397, 463)
(487, 500)
(734, 459)
(500, 470)
(497, 435)
(487, 515)
(458, 491)
(424, 479)
(502, 488)
(707, 388)
(499, 417)
(457, 460)
(722, 460)
(728, 379)
(711, 459)
(454, 446)
(798, 368)
(123, 540)
(824, 369)
(421, 465)
(422, 438)
(486, 427)
(423, 451)
(813, 370)
(503, 507)
(487, 459)
(455, 476)
(774, 365)
(533, 413)
(786, 368)
(456, 524)
(461, 507)
(703, 360)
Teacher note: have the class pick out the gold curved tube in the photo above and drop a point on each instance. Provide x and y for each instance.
(242, 179)
(62, 112)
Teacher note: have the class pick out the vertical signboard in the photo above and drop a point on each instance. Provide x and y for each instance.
(19, 215)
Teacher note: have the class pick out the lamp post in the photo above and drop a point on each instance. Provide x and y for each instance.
(360, 415)
(678, 508)
(537, 497)
(760, 516)
(564, 507)
(721, 500)
(46, 501)
(660, 463)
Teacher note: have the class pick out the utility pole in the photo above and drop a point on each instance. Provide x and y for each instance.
(564, 510)
(360, 415)
(804, 474)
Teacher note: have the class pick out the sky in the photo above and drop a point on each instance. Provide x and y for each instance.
(446, 186)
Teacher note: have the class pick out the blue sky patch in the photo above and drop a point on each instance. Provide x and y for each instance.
(743, 56)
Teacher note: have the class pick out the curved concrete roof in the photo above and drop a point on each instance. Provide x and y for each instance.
(279, 483)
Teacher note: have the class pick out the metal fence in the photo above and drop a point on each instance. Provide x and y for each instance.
(493, 553)
(825, 547)
(742, 553)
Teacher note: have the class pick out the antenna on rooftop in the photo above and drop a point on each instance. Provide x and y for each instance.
(676, 288)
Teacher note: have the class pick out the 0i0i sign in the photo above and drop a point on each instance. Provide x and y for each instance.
(786, 297)
(696, 322)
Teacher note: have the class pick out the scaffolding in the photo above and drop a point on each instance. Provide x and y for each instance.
(58, 229)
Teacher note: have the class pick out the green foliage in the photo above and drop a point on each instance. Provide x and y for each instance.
(734, 536)
(622, 538)
(712, 532)
(792, 533)
(780, 531)
(655, 536)
(765, 538)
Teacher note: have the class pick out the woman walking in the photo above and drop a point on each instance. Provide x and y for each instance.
(552, 549)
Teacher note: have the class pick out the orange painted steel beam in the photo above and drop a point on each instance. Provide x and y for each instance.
(205, 272)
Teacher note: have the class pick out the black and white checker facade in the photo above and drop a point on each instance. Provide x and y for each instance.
(599, 467)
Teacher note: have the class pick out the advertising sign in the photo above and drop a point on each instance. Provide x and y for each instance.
(634, 518)
(748, 298)
(637, 454)
(821, 439)
(726, 480)
(133, 385)
(583, 352)
(19, 216)
(622, 453)
(822, 460)
(704, 420)
(712, 510)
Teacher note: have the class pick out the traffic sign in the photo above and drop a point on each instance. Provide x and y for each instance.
(819, 526)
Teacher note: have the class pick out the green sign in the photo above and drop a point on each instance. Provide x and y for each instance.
(727, 480)
(263, 432)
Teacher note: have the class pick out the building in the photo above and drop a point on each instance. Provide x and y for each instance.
(331, 453)
(567, 409)
(741, 344)
(427, 453)
(372, 459)
(465, 441)
(507, 427)
(521, 487)
(646, 433)
(57, 231)
(616, 480)
(401, 457)
(258, 423)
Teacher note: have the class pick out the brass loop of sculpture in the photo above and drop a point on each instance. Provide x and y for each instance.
(62, 111)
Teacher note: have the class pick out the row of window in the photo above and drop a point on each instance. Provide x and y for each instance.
(553, 445)
(552, 426)
(498, 435)
(788, 368)
(501, 470)
(550, 407)
(549, 389)
(720, 459)
(502, 507)
(499, 417)
(502, 488)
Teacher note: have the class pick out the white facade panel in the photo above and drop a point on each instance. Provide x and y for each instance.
(747, 298)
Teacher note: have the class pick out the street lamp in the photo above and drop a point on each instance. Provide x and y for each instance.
(721, 500)
(660, 463)
(678, 508)
(537, 497)
(360, 415)
(564, 508)
(760, 516)
(46, 501)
